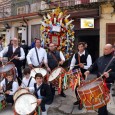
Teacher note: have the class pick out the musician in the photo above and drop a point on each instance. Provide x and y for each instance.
(37, 56)
(27, 80)
(55, 58)
(9, 87)
(84, 61)
(42, 92)
(16, 54)
(101, 65)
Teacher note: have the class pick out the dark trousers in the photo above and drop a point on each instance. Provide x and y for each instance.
(103, 110)
(42, 105)
(19, 78)
(76, 93)
(24, 63)
(9, 99)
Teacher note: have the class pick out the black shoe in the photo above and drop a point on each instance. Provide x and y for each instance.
(113, 95)
(80, 106)
(76, 103)
(62, 95)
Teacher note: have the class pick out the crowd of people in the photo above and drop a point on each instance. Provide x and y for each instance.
(38, 57)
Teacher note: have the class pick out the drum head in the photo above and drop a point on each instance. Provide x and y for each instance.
(38, 70)
(25, 104)
(19, 92)
(6, 68)
(55, 73)
(89, 85)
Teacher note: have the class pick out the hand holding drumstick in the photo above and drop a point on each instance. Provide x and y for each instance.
(105, 74)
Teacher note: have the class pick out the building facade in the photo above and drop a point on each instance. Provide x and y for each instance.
(22, 19)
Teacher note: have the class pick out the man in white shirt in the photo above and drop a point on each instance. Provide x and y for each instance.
(27, 81)
(37, 56)
(16, 54)
(81, 60)
(9, 87)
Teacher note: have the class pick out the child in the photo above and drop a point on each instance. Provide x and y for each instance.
(42, 92)
(27, 81)
(9, 87)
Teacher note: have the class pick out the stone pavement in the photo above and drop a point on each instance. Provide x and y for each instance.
(64, 106)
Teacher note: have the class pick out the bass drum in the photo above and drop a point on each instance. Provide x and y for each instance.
(9, 67)
(55, 74)
(25, 104)
(93, 94)
(19, 92)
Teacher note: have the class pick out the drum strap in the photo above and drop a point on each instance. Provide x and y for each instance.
(37, 57)
(29, 82)
(79, 59)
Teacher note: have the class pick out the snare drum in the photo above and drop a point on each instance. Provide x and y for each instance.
(38, 70)
(19, 92)
(25, 104)
(2, 102)
(93, 94)
(55, 74)
(10, 67)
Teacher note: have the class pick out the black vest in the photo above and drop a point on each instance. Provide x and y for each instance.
(45, 91)
(10, 55)
(8, 85)
(83, 59)
(52, 63)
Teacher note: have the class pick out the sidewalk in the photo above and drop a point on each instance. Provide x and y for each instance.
(64, 106)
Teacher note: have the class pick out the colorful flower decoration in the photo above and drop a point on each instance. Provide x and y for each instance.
(58, 23)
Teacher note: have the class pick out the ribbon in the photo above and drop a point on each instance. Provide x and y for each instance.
(60, 82)
(39, 110)
(65, 81)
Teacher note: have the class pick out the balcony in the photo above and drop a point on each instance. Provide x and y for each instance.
(19, 8)
(75, 4)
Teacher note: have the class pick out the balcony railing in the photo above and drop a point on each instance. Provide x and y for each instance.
(26, 7)
(68, 3)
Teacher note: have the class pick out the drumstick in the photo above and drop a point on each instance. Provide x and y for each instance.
(33, 103)
(9, 61)
(75, 65)
(34, 69)
(102, 75)
(106, 71)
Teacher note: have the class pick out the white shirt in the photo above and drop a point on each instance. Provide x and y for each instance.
(25, 82)
(32, 57)
(32, 89)
(14, 86)
(89, 61)
(5, 50)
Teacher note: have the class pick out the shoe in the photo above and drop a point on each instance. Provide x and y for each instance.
(113, 95)
(62, 95)
(80, 106)
(76, 103)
